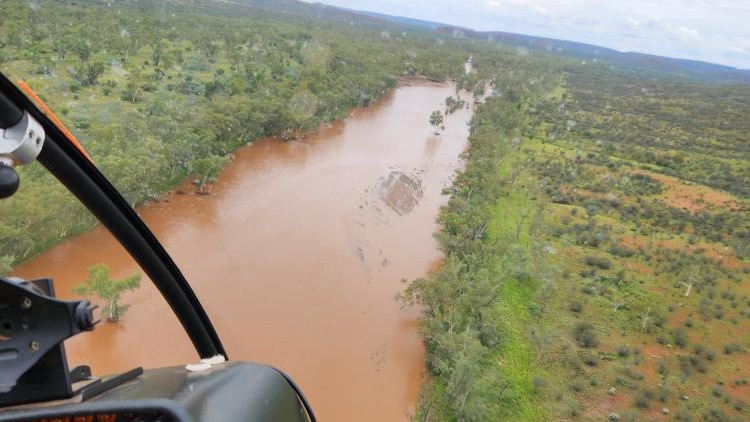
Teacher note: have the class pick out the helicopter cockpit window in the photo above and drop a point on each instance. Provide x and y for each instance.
(46, 233)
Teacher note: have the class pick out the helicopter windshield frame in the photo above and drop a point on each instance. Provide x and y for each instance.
(70, 165)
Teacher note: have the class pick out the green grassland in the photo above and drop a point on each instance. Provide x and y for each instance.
(601, 270)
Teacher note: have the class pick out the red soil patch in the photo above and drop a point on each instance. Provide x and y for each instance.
(689, 196)
(653, 353)
(679, 316)
(633, 241)
(600, 409)
(571, 253)
(721, 255)
(583, 193)
(742, 392)
(638, 267)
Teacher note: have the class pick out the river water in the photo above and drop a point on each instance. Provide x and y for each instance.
(297, 254)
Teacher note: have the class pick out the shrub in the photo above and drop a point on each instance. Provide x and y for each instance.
(591, 360)
(576, 306)
(730, 348)
(621, 251)
(589, 289)
(659, 320)
(585, 335)
(489, 336)
(680, 338)
(622, 382)
(714, 414)
(683, 416)
(574, 362)
(630, 372)
(631, 416)
(663, 368)
(577, 385)
(573, 409)
(686, 369)
(699, 349)
(663, 394)
(601, 263)
(642, 401)
(539, 383)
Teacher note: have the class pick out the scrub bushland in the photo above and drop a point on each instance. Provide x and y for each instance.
(596, 252)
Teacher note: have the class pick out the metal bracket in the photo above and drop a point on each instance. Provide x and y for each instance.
(33, 325)
(22, 143)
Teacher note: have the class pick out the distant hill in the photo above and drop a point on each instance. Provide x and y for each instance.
(626, 62)
(646, 63)
(399, 20)
(308, 10)
(692, 70)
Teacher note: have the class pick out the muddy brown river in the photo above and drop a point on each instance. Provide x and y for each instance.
(297, 255)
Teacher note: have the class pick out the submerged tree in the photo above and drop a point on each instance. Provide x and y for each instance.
(436, 120)
(206, 171)
(101, 284)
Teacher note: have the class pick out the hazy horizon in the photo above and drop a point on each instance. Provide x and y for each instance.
(707, 30)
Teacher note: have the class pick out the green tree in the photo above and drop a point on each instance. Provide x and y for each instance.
(436, 120)
(93, 72)
(134, 88)
(5, 264)
(206, 169)
(100, 283)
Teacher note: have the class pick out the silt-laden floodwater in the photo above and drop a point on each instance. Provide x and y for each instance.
(297, 255)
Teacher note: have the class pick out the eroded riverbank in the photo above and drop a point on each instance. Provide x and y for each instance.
(297, 255)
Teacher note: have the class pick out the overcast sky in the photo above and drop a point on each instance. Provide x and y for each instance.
(715, 31)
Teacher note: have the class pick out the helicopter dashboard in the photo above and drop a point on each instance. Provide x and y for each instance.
(229, 392)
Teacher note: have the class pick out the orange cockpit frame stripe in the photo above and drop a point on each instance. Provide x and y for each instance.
(39, 103)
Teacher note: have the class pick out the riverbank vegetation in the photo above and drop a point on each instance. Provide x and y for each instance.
(160, 92)
(591, 208)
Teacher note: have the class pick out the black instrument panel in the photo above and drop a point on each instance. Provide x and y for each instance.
(123, 412)
(228, 392)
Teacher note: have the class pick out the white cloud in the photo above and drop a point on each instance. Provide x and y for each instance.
(739, 50)
(688, 33)
(635, 23)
